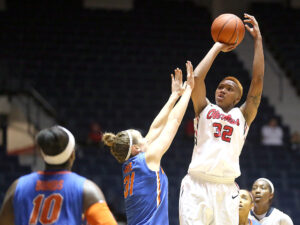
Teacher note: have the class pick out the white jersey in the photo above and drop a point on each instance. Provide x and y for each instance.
(219, 139)
(273, 217)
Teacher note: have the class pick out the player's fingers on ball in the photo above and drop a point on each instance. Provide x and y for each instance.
(248, 28)
(248, 21)
(248, 15)
(254, 20)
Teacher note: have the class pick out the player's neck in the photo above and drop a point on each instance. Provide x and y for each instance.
(52, 167)
(226, 109)
(261, 209)
(243, 219)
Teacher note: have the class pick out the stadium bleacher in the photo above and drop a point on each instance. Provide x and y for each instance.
(114, 67)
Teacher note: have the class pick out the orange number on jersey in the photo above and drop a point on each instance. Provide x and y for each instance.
(36, 209)
(41, 209)
(226, 134)
(128, 181)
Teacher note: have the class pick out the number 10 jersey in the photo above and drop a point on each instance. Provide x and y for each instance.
(49, 197)
(219, 139)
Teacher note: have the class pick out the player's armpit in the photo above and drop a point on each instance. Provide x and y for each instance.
(99, 214)
(250, 107)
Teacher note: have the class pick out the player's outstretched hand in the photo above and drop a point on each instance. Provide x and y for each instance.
(177, 87)
(190, 75)
(254, 30)
(226, 47)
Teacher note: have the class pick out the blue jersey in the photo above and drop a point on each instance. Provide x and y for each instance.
(253, 222)
(145, 193)
(49, 197)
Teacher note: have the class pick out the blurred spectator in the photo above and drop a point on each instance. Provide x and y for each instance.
(189, 129)
(272, 133)
(95, 134)
(295, 142)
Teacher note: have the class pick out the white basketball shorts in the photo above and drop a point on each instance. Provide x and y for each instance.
(207, 203)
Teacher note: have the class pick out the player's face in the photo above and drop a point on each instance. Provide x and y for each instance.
(245, 201)
(141, 146)
(227, 94)
(261, 192)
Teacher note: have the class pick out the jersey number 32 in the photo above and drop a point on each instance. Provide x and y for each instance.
(223, 132)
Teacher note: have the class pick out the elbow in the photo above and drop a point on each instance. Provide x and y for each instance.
(176, 122)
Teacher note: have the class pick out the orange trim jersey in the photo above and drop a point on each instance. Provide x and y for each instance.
(50, 197)
(219, 139)
(99, 214)
(145, 193)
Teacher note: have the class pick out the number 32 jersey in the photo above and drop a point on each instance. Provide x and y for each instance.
(49, 197)
(145, 193)
(219, 139)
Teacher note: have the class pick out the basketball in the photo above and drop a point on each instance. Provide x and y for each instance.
(226, 28)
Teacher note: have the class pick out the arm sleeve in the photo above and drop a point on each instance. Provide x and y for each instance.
(99, 214)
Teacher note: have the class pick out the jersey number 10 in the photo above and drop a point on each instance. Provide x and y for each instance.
(128, 182)
(46, 210)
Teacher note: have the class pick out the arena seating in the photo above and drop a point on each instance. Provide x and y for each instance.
(282, 36)
(114, 67)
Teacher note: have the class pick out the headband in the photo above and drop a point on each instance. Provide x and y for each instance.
(237, 82)
(65, 154)
(269, 182)
(130, 144)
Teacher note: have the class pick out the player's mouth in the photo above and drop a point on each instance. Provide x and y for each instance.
(257, 198)
(220, 97)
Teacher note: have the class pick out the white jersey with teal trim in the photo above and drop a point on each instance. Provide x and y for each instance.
(219, 139)
(273, 217)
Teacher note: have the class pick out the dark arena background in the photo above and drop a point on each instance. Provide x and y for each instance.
(95, 66)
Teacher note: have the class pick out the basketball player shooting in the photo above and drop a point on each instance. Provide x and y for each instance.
(208, 193)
